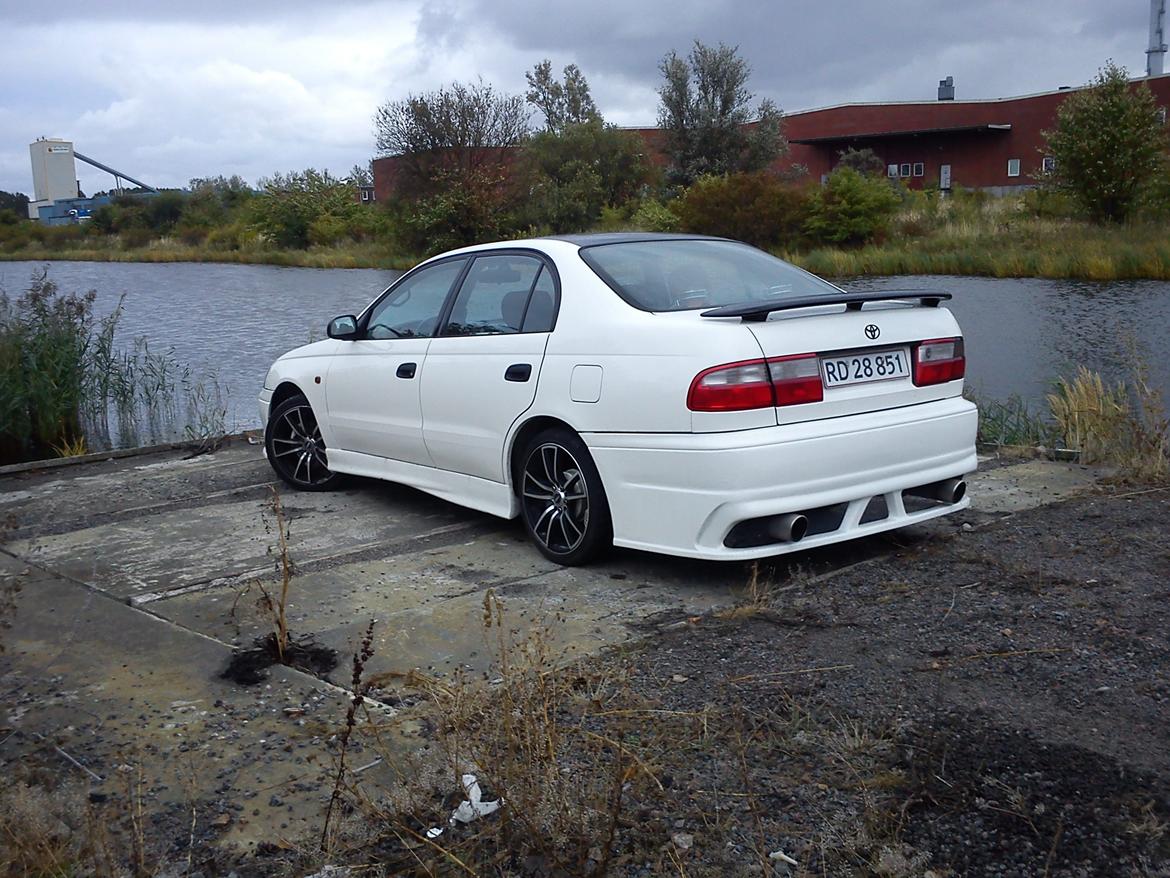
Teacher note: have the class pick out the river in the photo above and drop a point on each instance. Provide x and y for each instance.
(232, 321)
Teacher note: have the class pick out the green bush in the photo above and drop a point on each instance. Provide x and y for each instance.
(756, 208)
(570, 175)
(469, 206)
(653, 216)
(328, 230)
(1049, 203)
(851, 208)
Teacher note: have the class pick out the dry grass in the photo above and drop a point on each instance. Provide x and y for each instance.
(551, 742)
(1122, 424)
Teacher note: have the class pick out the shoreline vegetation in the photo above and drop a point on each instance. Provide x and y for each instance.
(997, 240)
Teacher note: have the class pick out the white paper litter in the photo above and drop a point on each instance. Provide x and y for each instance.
(473, 806)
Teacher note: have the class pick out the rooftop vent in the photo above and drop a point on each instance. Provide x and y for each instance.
(946, 89)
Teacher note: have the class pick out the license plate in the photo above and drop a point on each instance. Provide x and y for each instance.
(859, 368)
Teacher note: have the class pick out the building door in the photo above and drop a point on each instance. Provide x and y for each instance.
(944, 177)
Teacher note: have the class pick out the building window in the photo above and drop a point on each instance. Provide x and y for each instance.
(891, 170)
(905, 172)
(919, 169)
(1013, 167)
(1048, 164)
(1161, 115)
(365, 195)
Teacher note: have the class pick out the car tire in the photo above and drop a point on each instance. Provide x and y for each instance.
(295, 449)
(562, 500)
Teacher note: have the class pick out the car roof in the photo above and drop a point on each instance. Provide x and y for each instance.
(597, 238)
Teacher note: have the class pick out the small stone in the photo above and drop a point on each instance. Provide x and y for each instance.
(967, 526)
(683, 840)
(679, 678)
(221, 821)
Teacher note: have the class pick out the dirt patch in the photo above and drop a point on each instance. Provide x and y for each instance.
(992, 704)
(248, 666)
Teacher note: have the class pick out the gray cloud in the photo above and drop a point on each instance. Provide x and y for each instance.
(171, 91)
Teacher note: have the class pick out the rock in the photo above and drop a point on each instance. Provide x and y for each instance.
(679, 678)
(684, 841)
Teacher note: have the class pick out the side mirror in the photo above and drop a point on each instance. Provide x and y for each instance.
(343, 327)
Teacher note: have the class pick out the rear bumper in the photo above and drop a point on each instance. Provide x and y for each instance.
(681, 494)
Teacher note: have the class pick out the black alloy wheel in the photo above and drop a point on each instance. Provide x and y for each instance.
(562, 500)
(295, 447)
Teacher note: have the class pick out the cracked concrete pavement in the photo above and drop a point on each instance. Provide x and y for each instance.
(130, 570)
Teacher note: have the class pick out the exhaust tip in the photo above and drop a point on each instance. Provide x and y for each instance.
(952, 490)
(789, 528)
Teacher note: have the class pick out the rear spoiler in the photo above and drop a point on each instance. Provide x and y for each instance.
(756, 312)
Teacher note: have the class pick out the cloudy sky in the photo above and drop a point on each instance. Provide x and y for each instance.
(167, 91)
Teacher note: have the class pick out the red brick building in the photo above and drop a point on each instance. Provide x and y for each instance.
(984, 144)
(994, 144)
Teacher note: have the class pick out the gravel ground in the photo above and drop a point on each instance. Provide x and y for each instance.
(993, 704)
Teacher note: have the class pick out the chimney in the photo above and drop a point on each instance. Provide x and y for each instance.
(946, 87)
(1156, 54)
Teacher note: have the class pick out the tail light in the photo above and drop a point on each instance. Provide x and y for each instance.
(796, 379)
(757, 384)
(939, 360)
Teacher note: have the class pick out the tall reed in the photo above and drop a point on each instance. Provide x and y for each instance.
(66, 384)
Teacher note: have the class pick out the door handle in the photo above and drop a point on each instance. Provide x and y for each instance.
(518, 372)
(406, 370)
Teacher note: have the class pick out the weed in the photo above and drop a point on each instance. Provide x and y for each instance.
(1011, 423)
(279, 646)
(358, 689)
(66, 385)
(1124, 424)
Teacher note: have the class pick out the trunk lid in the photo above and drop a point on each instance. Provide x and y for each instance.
(853, 346)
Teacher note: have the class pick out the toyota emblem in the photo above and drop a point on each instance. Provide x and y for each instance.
(872, 331)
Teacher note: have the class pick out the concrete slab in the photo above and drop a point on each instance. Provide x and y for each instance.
(182, 545)
(1030, 484)
(123, 692)
(429, 603)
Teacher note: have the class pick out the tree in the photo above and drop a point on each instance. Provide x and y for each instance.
(707, 116)
(17, 202)
(361, 175)
(864, 161)
(570, 174)
(563, 104)
(457, 128)
(290, 205)
(1109, 145)
(851, 208)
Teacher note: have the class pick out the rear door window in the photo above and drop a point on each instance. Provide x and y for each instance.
(494, 297)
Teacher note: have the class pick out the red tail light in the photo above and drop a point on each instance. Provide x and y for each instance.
(757, 384)
(939, 360)
(797, 379)
(734, 387)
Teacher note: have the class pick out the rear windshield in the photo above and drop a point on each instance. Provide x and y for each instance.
(678, 275)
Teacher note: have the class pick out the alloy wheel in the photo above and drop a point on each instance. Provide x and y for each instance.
(555, 498)
(297, 447)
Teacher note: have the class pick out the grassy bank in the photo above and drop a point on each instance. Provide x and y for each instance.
(1011, 245)
(967, 234)
(102, 250)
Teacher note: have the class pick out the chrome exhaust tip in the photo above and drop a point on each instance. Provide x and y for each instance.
(789, 528)
(952, 490)
(946, 491)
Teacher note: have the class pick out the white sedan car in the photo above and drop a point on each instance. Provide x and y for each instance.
(686, 395)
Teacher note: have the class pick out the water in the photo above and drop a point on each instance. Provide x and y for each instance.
(234, 320)
(1021, 334)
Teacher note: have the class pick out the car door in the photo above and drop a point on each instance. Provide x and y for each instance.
(482, 369)
(372, 387)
